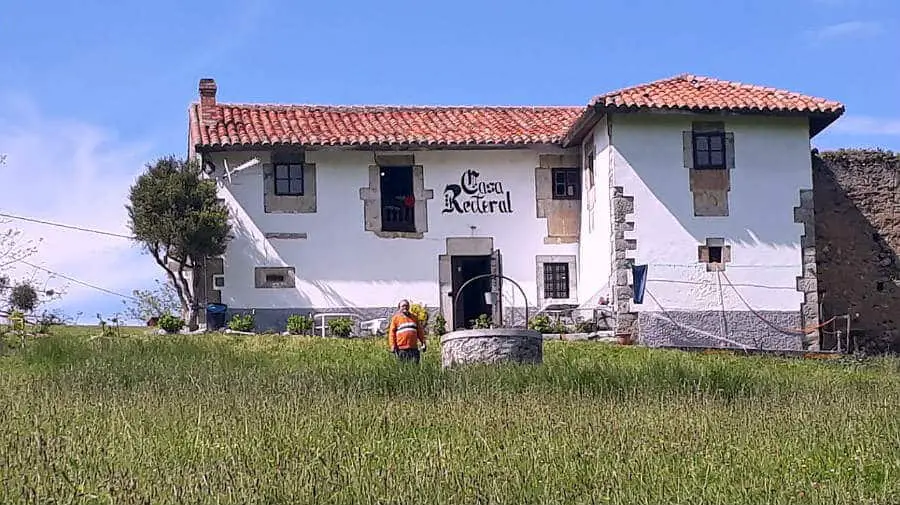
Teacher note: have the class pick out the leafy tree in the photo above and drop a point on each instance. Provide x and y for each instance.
(149, 303)
(177, 218)
(23, 297)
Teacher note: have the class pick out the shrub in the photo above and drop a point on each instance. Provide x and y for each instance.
(421, 313)
(244, 323)
(439, 327)
(482, 322)
(541, 323)
(170, 323)
(299, 325)
(558, 327)
(23, 297)
(341, 327)
(17, 320)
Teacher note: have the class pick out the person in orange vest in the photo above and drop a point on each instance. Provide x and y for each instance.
(404, 334)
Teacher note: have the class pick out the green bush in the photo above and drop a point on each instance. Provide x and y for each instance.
(170, 323)
(299, 325)
(244, 323)
(541, 323)
(482, 322)
(341, 327)
(439, 327)
(421, 313)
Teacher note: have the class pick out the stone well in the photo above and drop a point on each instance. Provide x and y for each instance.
(497, 345)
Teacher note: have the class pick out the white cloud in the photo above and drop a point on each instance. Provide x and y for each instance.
(867, 125)
(73, 173)
(844, 30)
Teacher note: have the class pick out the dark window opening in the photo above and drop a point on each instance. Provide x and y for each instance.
(879, 286)
(556, 280)
(274, 278)
(589, 165)
(398, 211)
(289, 179)
(715, 254)
(219, 281)
(566, 183)
(709, 150)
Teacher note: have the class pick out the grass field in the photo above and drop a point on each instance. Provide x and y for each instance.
(270, 420)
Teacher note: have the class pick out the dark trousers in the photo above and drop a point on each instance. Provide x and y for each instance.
(408, 355)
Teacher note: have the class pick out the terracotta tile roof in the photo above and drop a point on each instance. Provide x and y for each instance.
(253, 125)
(704, 93)
(314, 125)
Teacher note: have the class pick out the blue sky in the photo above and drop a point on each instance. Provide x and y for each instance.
(89, 91)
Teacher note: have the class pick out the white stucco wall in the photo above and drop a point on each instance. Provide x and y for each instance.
(595, 252)
(342, 265)
(772, 165)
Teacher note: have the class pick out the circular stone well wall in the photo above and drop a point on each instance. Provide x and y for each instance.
(497, 345)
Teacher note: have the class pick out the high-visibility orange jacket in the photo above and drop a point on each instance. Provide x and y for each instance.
(405, 332)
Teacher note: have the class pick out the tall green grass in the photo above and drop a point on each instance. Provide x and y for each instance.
(218, 419)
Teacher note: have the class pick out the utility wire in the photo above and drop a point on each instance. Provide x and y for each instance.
(83, 283)
(67, 226)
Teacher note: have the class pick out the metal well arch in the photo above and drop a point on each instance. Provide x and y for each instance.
(492, 276)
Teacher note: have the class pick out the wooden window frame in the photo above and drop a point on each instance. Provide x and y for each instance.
(708, 136)
(571, 177)
(289, 179)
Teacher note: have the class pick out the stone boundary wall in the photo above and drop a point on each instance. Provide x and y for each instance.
(857, 239)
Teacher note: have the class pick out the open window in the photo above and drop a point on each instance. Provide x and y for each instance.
(398, 203)
(588, 160)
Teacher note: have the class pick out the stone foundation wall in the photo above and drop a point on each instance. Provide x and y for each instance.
(857, 208)
(738, 329)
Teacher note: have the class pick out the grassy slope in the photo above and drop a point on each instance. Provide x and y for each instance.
(295, 420)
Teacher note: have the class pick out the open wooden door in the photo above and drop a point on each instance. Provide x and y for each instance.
(496, 289)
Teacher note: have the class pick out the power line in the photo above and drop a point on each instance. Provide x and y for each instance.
(67, 226)
(83, 283)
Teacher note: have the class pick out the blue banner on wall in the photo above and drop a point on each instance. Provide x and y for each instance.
(639, 274)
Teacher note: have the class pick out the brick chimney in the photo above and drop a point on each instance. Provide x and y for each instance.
(208, 100)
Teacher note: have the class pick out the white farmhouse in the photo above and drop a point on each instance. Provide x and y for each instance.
(697, 190)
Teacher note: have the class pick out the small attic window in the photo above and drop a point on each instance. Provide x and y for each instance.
(715, 254)
(274, 277)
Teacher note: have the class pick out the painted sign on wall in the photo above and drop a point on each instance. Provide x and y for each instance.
(475, 196)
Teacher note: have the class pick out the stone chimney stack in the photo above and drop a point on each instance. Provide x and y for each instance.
(208, 90)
